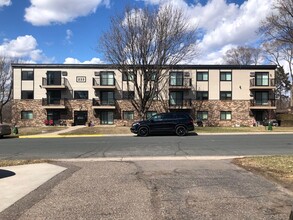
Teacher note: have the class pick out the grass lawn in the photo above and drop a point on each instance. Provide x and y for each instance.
(276, 168)
(125, 130)
(38, 130)
(6, 163)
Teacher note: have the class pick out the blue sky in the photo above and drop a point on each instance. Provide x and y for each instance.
(67, 31)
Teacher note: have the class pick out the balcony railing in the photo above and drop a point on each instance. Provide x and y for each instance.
(54, 83)
(184, 83)
(180, 103)
(104, 83)
(53, 103)
(269, 83)
(110, 103)
(259, 103)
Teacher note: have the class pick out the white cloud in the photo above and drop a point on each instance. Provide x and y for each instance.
(222, 24)
(69, 35)
(23, 47)
(95, 60)
(47, 12)
(5, 3)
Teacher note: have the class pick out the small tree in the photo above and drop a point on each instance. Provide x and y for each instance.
(144, 44)
(5, 83)
(283, 86)
(277, 52)
(242, 56)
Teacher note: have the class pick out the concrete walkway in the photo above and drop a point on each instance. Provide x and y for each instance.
(18, 181)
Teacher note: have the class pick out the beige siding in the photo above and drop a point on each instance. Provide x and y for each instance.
(240, 84)
(214, 84)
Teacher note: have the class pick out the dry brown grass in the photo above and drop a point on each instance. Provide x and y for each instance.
(6, 163)
(277, 168)
(38, 130)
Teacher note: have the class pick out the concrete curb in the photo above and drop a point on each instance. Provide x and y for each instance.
(150, 158)
(129, 135)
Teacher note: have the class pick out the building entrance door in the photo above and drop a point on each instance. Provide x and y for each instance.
(80, 117)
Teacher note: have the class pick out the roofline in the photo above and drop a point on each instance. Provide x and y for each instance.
(113, 66)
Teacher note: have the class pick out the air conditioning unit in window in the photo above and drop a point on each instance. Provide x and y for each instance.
(186, 74)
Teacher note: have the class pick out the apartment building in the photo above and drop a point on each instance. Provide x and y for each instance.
(74, 94)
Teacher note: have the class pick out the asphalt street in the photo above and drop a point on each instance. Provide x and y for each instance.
(154, 190)
(200, 145)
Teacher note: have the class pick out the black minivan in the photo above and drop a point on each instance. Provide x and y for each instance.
(173, 122)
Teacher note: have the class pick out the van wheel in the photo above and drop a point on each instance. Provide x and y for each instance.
(181, 131)
(143, 131)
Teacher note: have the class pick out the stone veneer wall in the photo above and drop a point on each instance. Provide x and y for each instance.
(239, 109)
(39, 113)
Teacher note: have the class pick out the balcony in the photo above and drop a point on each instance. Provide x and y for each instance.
(104, 104)
(99, 83)
(53, 103)
(180, 104)
(256, 104)
(54, 83)
(180, 84)
(270, 84)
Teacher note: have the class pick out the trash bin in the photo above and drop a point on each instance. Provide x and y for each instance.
(270, 126)
(15, 130)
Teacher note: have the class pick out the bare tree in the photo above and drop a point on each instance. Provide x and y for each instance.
(283, 86)
(145, 43)
(278, 33)
(277, 52)
(242, 56)
(279, 25)
(5, 83)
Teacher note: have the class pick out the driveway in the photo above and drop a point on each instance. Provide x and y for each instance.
(173, 189)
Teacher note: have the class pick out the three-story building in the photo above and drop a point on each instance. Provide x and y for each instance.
(74, 94)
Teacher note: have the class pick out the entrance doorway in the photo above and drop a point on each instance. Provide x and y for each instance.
(80, 117)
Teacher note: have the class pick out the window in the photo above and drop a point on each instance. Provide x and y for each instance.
(261, 98)
(155, 95)
(202, 115)
(128, 115)
(26, 114)
(202, 95)
(261, 79)
(226, 115)
(176, 79)
(107, 79)
(127, 76)
(107, 98)
(27, 75)
(80, 94)
(107, 118)
(202, 76)
(152, 76)
(176, 98)
(225, 95)
(27, 94)
(226, 76)
(127, 94)
(149, 114)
